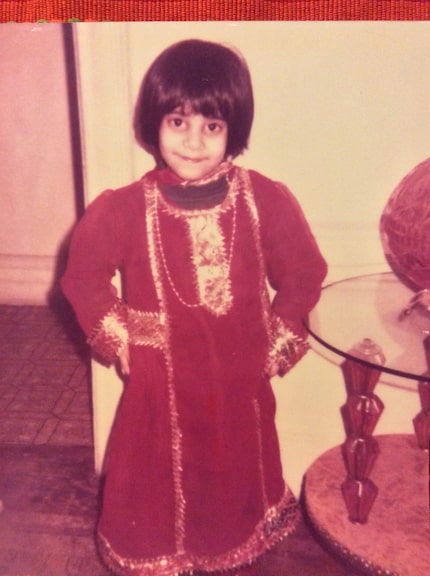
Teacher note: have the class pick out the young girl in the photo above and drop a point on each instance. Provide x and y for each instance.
(193, 473)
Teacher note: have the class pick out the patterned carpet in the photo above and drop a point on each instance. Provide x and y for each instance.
(48, 488)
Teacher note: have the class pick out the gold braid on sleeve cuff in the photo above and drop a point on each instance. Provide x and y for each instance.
(110, 335)
(286, 347)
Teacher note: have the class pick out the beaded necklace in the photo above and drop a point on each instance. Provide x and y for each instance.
(217, 288)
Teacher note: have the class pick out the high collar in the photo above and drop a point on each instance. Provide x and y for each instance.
(165, 176)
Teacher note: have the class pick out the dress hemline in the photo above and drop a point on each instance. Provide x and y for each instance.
(278, 523)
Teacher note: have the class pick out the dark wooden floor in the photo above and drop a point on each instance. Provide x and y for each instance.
(48, 488)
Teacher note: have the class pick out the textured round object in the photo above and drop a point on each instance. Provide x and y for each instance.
(405, 228)
(394, 540)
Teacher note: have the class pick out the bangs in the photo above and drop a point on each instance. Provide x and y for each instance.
(206, 102)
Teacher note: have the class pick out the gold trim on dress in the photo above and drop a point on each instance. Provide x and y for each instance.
(176, 433)
(208, 248)
(146, 328)
(211, 262)
(278, 522)
(110, 335)
(255, 221)
(122, 326)
(286, 347)
(260, 453)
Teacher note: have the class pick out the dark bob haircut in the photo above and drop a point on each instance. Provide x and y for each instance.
(212, 79)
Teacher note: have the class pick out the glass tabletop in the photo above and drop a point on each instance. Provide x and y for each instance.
(371, 307)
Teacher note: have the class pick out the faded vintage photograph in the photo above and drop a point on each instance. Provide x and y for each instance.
(214, 298)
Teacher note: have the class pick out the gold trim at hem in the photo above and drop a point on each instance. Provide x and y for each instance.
(279, 521)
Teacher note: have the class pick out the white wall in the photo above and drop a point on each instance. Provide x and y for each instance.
(342, 114)
(36, 176)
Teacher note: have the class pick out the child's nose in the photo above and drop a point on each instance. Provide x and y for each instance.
(194, 140)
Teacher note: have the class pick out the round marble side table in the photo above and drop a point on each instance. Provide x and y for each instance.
(395, 540)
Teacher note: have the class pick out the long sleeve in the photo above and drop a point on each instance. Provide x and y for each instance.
(94, 258)
(294, 265)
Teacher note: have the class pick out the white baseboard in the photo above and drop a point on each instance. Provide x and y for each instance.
(26, 279)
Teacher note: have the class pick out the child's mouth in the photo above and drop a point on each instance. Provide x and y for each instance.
(191, 160)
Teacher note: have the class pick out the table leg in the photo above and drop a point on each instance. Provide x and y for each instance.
(360, 414)
(422, 419)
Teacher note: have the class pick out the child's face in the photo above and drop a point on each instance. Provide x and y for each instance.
(192, 145)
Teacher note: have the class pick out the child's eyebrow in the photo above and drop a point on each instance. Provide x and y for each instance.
(178, 110)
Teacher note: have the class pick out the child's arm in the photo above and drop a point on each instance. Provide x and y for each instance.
(295, 266)
(94, 257)
(295, 270)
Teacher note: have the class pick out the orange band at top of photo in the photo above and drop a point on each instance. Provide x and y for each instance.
(192, 10)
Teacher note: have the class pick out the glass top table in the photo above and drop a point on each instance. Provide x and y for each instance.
(372, 307)
(393, 539)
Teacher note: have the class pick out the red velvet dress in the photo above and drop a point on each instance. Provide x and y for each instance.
(193, 473)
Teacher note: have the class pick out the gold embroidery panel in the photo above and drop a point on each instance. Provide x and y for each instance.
(210, 255)
(146, 328)
(211, 264)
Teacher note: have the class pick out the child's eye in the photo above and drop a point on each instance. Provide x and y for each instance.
(215, 126)
(176, 122)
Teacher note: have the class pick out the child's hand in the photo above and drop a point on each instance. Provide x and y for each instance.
(273, 369)
(124, 361)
